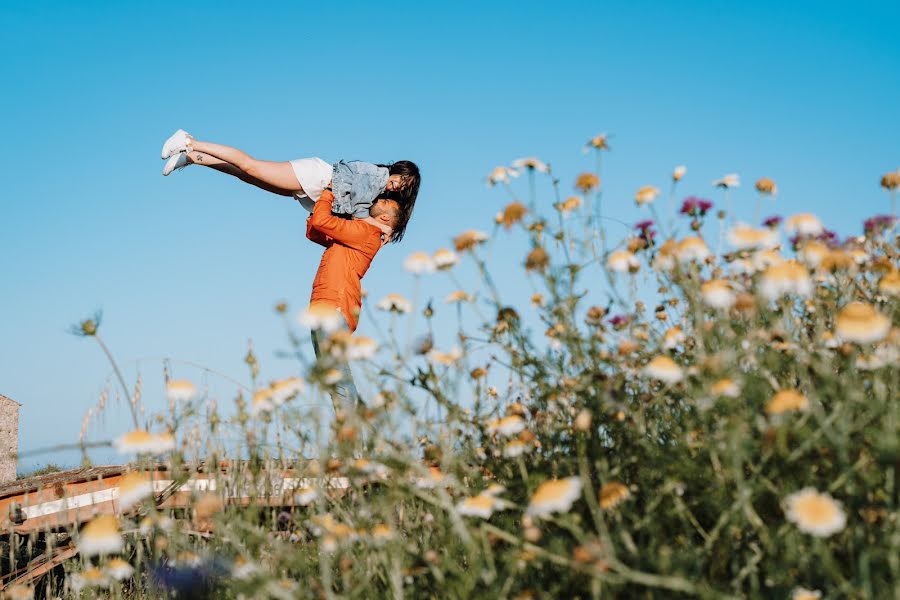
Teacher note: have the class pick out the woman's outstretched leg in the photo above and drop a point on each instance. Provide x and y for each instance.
(208, 160)
(277, 174)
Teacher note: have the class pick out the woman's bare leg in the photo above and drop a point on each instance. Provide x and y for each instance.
(208, 160)
(276, 174)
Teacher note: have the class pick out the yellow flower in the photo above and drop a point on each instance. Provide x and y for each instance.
(664, 369)
(815, 513)
(813, 252)
(726, 387)
(800, 593)
(789, 277)
(890, 283)
(100, 536)
(481, 506)
(728, 181)
(285, 389)
(458, 296)
(118, 569)
(394, 303)
(673, 337)
(133, 487)
(537, 260)
(144, 442)
(531, 163)
(861, 323)
(691, 248)
(501, 175)
(467, 240)
(92, 577)
(554, 495)
(599, 142)
(305, 496)
(510, 425)
(891, 181)
(621, 261)
(419, 263)
(744, 237)
(321, 316)
(717, 293)
(787, 400)
(569, 205)
(512, 214)
(612, 494)
(444, 259)
(180, 390)
(678, 173)
(804, 224)
(515, 448)
(764, 185)
(646, 195)
(587, 182)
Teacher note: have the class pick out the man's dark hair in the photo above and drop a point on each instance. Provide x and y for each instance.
(410, 179)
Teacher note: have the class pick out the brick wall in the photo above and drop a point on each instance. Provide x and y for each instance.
(9, 438)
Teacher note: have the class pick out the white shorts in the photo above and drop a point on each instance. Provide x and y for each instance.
(314, 175)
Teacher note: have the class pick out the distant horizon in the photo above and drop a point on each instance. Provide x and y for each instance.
(190, 266)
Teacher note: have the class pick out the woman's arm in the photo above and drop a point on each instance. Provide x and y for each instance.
(352, 233)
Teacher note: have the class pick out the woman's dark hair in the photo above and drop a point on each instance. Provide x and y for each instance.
(406, 196)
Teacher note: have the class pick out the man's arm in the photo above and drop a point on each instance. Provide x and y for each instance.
(349, 233)
(314, 235)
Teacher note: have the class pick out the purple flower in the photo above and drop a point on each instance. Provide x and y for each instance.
(644, 225)
(694, 206)
(619, 320)
(772, 221)
(877, 224)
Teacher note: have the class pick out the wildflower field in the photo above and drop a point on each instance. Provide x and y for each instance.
(708, 409)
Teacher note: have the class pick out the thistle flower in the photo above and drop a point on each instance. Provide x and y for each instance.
(587, 182)
(789, 277)
(133, 487)
(744, 237)
(772, 222)
(613, 494)
(118, 569)
(100, 536)
(646, 195)
(728, 181)
(512, 214)
(501, 175)
(622, 261)
(787, 400)
(458, 297)
(764, 185)
(444, 259)
(180, 390)
(717, 293)
(510, 425)
(554, 496)
(878, 224)
(804, 224)
(419, 263)
(861, 323)
(695, 207)
(394, 303)
(467, 240)
(143, 442)
(692, 248)
(321, 317)
(569, 205)
(481, 506)
(678, 173)
(664, 369)
(815, 513)
(531, 163)
(673, 338)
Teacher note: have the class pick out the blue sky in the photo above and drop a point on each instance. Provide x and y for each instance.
(188, 267)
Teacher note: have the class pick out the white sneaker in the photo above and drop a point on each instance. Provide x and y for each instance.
(180, 141)
(176, 162)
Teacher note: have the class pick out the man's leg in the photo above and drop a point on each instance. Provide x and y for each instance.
(344, 392)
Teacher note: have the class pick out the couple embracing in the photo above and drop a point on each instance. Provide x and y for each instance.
(356, 208)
